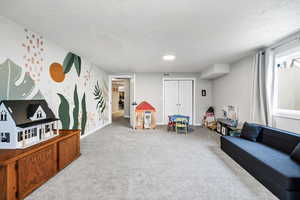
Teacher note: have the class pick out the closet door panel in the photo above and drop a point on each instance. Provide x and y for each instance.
(170, 99)
(186, 98)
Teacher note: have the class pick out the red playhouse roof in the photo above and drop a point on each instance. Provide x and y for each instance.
(144, 106)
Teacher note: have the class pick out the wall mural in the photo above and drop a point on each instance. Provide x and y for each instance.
(99, 97)
(41, 70)
(15, 84)
(34, 54)
(58, 73)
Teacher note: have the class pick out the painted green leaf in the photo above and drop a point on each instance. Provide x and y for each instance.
(68, 62)
(99, 96)
(84, 115)
(15, 86)
(63, 112)
(75, 109)
(77, 63)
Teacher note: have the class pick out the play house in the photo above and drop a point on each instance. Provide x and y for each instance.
(145, 116)
(24, 123)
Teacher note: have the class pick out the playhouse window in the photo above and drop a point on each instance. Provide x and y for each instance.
(3, 116)
(39, 114)
(5, 137)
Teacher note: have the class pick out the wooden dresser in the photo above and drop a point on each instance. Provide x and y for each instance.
(24, 170)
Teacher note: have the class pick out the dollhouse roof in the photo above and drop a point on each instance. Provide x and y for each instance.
(22, 110)
(31, 110)
(144, 106)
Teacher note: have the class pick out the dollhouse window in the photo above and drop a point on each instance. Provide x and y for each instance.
(34, 132)
(47, 128)
(3, 116)
(39, 114)
(26, 134)
(20, 136)
(5, 137)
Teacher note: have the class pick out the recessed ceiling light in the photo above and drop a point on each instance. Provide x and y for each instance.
(169, 57)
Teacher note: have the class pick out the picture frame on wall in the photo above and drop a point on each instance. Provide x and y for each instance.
(203, 92)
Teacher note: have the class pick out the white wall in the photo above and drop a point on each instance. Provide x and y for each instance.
(149, 87)
(235, 88)
(30, 58)
(126, 98)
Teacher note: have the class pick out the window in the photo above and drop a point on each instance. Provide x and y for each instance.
(26, 135)
(34, 132)
(5, 137)
(20, 136)
(3, 116)
(47, 128)
(287, 84)
(39, 114)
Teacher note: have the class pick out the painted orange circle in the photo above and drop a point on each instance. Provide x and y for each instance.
(57, 72)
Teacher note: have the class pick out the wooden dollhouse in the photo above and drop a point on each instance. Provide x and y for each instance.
(24, 123)
(145, 115)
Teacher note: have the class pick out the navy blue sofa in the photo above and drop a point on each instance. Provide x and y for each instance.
(268, 160)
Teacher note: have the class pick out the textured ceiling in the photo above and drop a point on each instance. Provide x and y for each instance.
(133, 35)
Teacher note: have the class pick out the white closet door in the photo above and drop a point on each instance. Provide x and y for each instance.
(185, 89)
(170, 99)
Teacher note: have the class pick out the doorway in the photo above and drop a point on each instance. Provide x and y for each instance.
(121, 92)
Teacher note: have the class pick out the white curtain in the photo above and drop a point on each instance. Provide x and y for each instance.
(263, 87)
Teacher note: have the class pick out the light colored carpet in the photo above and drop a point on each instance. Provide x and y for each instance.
(118, 163)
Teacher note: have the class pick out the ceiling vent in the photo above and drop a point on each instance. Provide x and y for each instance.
(215, 71)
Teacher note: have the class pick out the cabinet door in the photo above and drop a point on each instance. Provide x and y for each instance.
(170, 99)
(68, 151)
(36, 168)
(185, 89)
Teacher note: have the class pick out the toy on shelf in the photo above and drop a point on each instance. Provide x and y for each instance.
(229, 122)
(145, 115)
(231, 113)
(209, 120)
(24, 123)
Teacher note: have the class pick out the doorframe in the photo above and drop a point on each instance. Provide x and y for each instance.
(194, 96)
(126, 76)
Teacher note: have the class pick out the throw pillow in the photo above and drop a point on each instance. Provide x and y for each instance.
(295, 155)
(250, 131)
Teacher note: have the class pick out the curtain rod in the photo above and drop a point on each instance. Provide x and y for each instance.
(297, 38)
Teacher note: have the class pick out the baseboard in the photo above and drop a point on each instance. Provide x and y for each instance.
(95, 130)
(197, 124)
(160, 124)
(126, 116)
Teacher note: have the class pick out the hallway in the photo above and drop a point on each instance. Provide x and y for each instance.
(118, 119)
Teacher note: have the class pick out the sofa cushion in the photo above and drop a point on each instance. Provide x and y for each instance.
(279, 139)
(267, 163)
(295, 155)
(250, 131)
